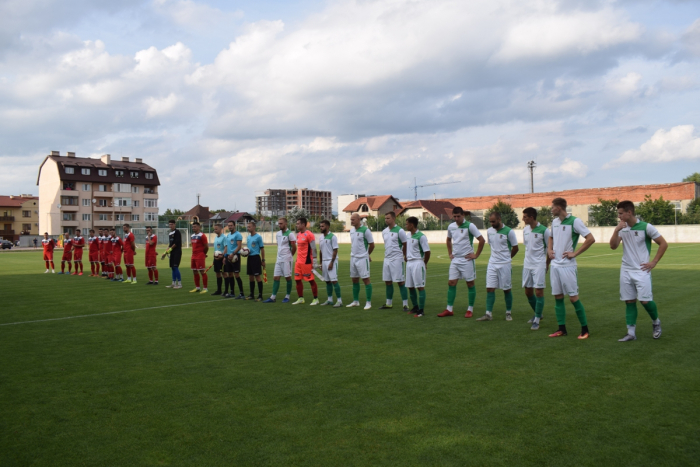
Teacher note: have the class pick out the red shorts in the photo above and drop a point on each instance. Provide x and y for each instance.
(198, 264)
(303, 272)
(48, 256)
(67, 256)
(93, 257)
(128, 258)
(151, 261)
(117, 259)
(78, 255)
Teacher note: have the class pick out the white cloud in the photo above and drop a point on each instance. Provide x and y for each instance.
(679, 143)
(156, 107)
(194, 15)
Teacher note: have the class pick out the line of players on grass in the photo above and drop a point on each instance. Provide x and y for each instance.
(406, 257)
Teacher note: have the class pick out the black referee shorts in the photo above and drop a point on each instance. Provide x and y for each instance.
(218, 265)
(175, 257)
(231, 267)
(254, 265)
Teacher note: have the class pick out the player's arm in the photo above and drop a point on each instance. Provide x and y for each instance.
(615, 238)
(590, 240)
(448, 242)
(663, 246)
(426, 250)
(370, 242)
(334, 245)
(479, 248)
(547, 241)
(293, 247)
(513, 241)
(262, 251)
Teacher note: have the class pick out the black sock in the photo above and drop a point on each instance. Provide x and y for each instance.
(562, 328)
(260, 286)
(252, 288)
(240, 285)
(219, 280)
(584, 329)
(226, 282)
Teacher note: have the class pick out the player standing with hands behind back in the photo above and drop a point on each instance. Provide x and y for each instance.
(200, 247)
(175, 252)
(256, 261)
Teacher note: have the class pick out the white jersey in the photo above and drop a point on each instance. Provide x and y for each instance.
(394, 240)
(636, 244)
(535, 241)
(565, 235)
(284, 249)
(359, 242)
(501, 241)
(416, 246)
(328, 244)
(462, 238)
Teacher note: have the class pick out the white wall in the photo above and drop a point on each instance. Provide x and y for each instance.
(49, 197)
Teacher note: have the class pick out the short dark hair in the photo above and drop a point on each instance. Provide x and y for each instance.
(457, 210)
(283, 219)
(113, 229)
(561, 202)
(171, 221)
(495, 213)
(92, 230)
(126, 225)
(149, 227)
(391, 214)
(532, 212)
(626, 206)
(303, 220)
(413, 221)
(324, 221)
(196, 223)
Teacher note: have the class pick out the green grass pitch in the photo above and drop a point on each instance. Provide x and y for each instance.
(185, 379)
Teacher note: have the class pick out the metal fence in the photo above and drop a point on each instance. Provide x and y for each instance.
(162, 233)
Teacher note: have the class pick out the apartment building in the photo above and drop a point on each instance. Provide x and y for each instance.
(84, 193)
(277, 202)
(19, 215)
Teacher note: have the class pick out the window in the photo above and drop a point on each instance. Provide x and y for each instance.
(68, 186)
(135, 203)
(124, 202)
(86, 217)
(68, 216)
(120, 217)
(150, 216)
(150, 203)
(134, 174)
(26, 227)
(149, 191)
(87, 187)
(104, 217)
(69, 201)
(135, 217)
(86, 231)
(70, 170)
(149, 175)
(86, 202)
(102, 203)
(85, 171)
(119, 173)
(134, 189)
(101, 187)
(122, 187)
(26, 213)
(102, 172)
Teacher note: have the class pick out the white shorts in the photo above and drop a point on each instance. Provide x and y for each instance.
(635, 285)
(415, 274)
(359, 267)
(499, 276)
(332, 275)
(463, 270)
(534, 278)
(283, 269)
(564, 281)
(393, 270)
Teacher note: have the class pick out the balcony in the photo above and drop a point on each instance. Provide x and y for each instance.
(6, 233)
(74, 193)
(7, 218)
(70, 207)
(99, 223)
(104, 209)
(69, 223)
(103, 194)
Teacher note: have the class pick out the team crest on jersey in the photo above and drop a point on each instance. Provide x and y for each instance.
(636, 234)
(536, 236)
(503, 236)
(563, 228)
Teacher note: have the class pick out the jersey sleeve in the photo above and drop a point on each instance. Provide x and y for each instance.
(368, 236)
(652, 232)
(474, 231)
(449, 231)
(260, 242)
(292, 237)
(547, 236)
(334, 242)
(204, 238)
(580, 228)
(512, 238)
(424, 243)
(402, 236)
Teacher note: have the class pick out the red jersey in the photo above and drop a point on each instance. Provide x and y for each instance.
(151, 249)
(199, 241)
(78, 242)
(117, 245)
(93, 244)
(67, 245)
(108, 244)
(303, 250)
(128, 246)
(49, 245)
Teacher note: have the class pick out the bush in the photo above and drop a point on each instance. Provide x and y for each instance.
(656, 211)
(508, 215)
(604, 214)
(544, 216)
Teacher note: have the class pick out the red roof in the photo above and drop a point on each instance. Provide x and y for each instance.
(14, 201)
(238, 216)
(438, 208)
(372, 202)
(200, 211)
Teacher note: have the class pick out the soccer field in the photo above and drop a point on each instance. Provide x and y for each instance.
(139, 375)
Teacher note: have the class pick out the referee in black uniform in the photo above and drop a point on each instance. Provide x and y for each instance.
(175, 251)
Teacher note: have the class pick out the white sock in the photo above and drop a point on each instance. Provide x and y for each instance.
(449, 307)
(471, 308)
(631, 330)
(657, 321)
(272, 297)
(388, 302)
(536, 320)
(488, 313)
(507, 312)
(405, 303)
(286, 296)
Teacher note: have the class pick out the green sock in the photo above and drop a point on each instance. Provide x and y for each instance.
(289, 287)
(560, 310)
(451, 294)
(275, 287)
(421, 299)
(472, 296)
(581, 313)
(490, 300)
(404, 292)
(329, 291)
(355, 291)
(336, 286)
(390, 292)
(651, 309)
(414, 296)
(539, 307)
(368, 292)
(631, 314)
(532, 300)
(509, 300)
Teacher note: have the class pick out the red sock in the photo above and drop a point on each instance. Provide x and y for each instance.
(52, 265)
(150, 275)
(205, 279)
(47, 264)
(92, 268)
(69, 267)
(300, 289)
(133, 272)
(155, 273)
(63, 266)
(314, 288)
(196, 279)
(81, 266)
(119, 270)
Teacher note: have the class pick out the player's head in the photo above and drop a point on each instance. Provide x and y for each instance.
(325, 226)
(529, 215)
(171, 224)
(412, 224)
(149, 229)
(558, 207)
(217, 229)
(355, 220)
(302, 222)
(127, 228)
(251, 227)
(46, 235)
(231, 226)
(196, 227)
(390, 219)
(282, 223)
(625, 211)
(92, 233)
(495, 220)
(458, 215)
(67, 234)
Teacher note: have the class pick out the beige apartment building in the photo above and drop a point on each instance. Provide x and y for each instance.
(84, 193)
(278, 201)
(19, 215)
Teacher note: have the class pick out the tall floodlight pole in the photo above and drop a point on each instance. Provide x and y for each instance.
(531, 165)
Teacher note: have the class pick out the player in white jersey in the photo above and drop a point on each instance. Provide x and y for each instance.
(361, 247)
(460, 236)
(286, 247)
(535, 239)
(394, 252)
(328, 248)
(566, 230)
(635, 274)
(504, 246)
(417, 257)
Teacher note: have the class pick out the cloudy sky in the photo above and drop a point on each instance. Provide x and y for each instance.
(228, 98)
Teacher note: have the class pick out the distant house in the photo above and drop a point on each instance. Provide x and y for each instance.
(422, 209)
(220, 217)
(199, 213)
(366, 206)
(239, 217)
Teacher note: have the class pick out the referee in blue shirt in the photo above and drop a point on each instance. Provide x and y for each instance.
(219, 246)
(256, 261)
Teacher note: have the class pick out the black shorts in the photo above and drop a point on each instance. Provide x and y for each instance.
(175, 257)
(231, 267)
(254, 265)
(218, 265)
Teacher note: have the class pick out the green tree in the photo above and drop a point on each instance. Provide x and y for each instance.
(508, 215)
(337, 226)
(294, 214)
(692, 213)
(544, 216)
(173, 212)
(656, 211)
(604, 214)
(693, 178)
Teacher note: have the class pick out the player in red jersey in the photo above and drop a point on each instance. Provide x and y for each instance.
(200, 247)
(117, 249)
(108, 255)
(104, 252)
(129, 252)
(49, 244)
(78, 244)
(306, 261)
(151, 256)
(93, 254)
(67, 254)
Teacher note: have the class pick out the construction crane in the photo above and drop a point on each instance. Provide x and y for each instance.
(416, 186)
